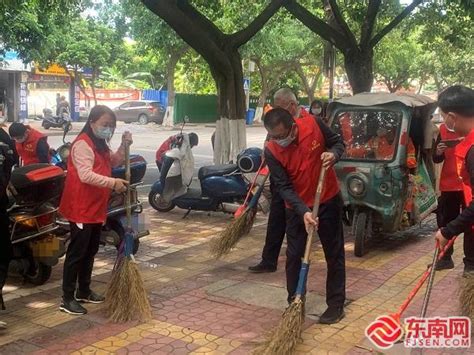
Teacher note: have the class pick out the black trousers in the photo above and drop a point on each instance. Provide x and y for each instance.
(331, 234)
(450, 205)
(276, 229)
(79, 261)
(5, 250)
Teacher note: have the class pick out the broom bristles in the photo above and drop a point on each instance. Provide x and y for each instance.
(234, 231)
(285, 336)
(466, 296)
(126, 297)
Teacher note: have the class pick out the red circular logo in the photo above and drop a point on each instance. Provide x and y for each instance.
(384, 332)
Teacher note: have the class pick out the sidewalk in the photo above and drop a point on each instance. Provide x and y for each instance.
(218, 307)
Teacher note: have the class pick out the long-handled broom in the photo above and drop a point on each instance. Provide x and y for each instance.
(126, 297)
(285, 336)
(242, 223)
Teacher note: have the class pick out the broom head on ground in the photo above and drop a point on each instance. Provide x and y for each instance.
(240, 226)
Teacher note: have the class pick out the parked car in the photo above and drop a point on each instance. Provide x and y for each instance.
(141, 111)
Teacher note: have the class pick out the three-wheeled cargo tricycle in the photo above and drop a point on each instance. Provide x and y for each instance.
(386, 173)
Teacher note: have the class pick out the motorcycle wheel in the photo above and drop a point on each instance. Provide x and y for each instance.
(118, 228)
(41, 274)
(157, 202)
(46, 126)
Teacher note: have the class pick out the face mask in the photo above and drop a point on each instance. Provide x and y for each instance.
(103, 133)
(316, 111)
(285, 142)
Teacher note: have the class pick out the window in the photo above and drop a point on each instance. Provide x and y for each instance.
(369, 134)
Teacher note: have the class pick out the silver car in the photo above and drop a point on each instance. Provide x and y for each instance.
(141, 111)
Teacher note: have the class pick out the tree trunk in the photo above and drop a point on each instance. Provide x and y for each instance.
(93, 87)
(261, 104)
(170, 71)
(230, 137)
(359, 69)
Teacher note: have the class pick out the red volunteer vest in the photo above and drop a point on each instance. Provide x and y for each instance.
(450, 179)
(302, 162)
(84, 203)
(27, 149)
(461, 151)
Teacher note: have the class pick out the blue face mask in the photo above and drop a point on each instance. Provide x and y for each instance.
(104, 133)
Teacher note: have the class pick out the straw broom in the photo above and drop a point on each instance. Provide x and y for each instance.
(241, 225)
(284, 337)
(126, 297)
(466, 295)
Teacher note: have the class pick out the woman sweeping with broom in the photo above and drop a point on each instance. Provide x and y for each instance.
(296, 153)
(84, 203)
(457, 105)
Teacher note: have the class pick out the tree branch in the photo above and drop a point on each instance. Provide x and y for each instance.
(394, 23)
(318, 26)
(198, 18)
(341, 22)
(369, 23)
(243, 36)
(190, 31)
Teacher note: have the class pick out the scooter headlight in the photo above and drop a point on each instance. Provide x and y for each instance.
(356, 186)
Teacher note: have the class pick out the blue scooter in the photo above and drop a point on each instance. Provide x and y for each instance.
(221, 187)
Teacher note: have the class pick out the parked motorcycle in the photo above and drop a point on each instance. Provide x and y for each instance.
(62, 121)
(35, 234)
(221, 187)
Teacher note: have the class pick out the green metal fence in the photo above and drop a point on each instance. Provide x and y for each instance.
(199, 108)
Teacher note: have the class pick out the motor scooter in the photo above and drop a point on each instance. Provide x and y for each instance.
(36, 237)
(220, 188)
(59, 156)
(61, 121)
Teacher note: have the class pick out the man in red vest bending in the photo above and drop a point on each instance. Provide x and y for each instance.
(295, 154)
(457, 105)
(451, 200)
(31, 145)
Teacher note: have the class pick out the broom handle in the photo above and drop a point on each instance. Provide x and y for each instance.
(262, 164)
(317, 199)
(300, 287)
(128, 197)
(420, 283)
(429, 286)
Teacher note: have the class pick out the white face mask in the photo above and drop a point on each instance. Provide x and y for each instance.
(451, 129)
(317, 110)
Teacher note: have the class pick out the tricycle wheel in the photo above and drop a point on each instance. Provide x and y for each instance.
(40, 275)
(360, 234)
(158, 203)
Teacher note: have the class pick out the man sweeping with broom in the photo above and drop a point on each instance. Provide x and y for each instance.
(457, 105)
(296, 153)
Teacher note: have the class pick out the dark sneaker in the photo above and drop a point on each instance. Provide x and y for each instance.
(261, 267)
(444, 264)
(72, 307)
(91, 298)
(332, 315)
(468, 272)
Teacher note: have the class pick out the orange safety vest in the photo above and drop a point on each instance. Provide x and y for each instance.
(460, 153)
(84, 203)
(27, 149)
(302, 162)
(449, 179)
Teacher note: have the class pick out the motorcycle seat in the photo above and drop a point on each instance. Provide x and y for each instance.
(216, 170)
